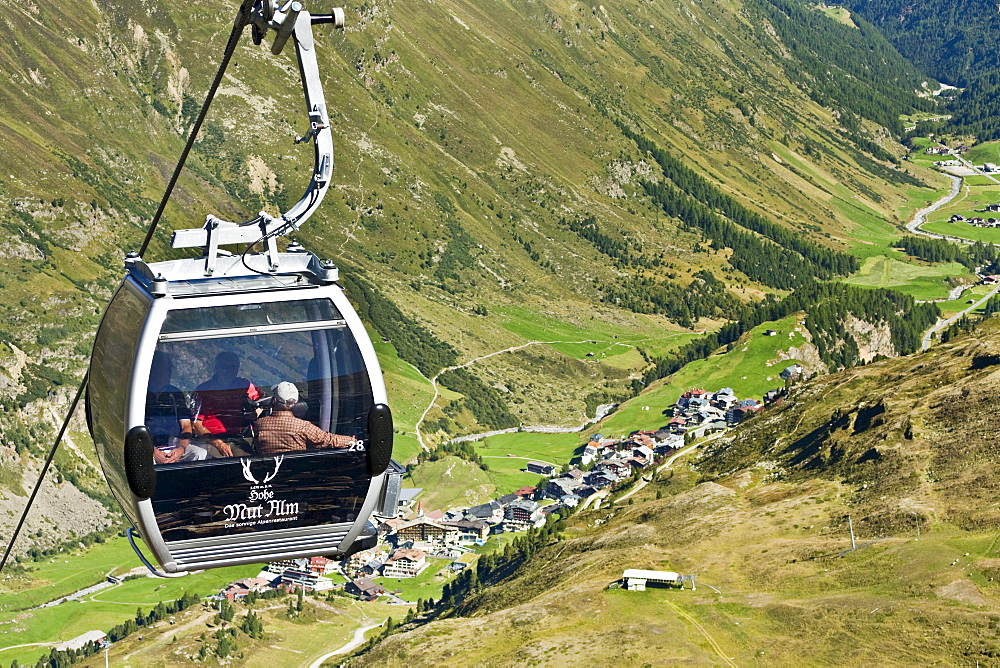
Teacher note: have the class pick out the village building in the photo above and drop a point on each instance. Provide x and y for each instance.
(492, 512)
(405, 563)
(541, 468)
(521, 515)
(294, 580)
(363, 563)
(82, 640)
(635, 579)
(471, 532)
(390, 526)
(322, 565)
(600, 479)
(615, 467)
(506, 499)
(792, 372)
(423, 532)
(364, 589)
(408, 497)
(559, 487)
(240, 588)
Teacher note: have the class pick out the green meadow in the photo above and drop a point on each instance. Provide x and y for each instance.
(409, 393)
(921, 280)
(604, 338)
(964, 231)
(985, 152)
(975, 293)
(429, 584)
(745, 368)
(77, 570)
(971, 201)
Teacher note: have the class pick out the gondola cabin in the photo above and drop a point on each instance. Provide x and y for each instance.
(240, 416)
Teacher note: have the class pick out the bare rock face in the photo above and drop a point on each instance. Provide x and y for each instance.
(873, 340)
(59, 512)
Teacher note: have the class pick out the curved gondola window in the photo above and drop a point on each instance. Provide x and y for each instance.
(223, 363)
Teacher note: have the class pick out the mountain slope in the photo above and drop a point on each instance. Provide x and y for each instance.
(489, 189)
(903, 447)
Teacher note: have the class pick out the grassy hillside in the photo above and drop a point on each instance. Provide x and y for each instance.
(471, 142)
(904, 448)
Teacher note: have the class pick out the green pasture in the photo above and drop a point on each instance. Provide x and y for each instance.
(839, 14)
(451, 482)
(429, 584)
(508, 454)
(143, 591)
(985, 152)
(609, 339)
(916, 117)
(871, 233)
(76, 570)
(298, 643)
(981, 180)
(917, 198)
(744, 368)
(922, 281)
(975, 293)
(101, 611)
(964, 231)
(65, 574)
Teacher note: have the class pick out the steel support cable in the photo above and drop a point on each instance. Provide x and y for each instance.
(45, 469)
(241, 22)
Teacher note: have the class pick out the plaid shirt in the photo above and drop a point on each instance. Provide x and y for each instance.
(283, 432)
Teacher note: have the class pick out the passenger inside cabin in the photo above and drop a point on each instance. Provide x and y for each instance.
(167, 417)
(218, 407)
(282, 432)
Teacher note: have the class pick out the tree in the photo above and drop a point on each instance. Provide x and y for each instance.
(226, 610)
(252, 625)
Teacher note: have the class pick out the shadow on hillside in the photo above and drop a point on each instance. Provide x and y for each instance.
(805, 451)
(984, 361)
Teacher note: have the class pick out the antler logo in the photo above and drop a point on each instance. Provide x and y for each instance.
(268, 478)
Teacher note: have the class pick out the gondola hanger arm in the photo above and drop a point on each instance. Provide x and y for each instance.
(288, 20)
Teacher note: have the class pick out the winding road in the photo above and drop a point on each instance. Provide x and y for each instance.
(920, 217)
(356, 642)
(914, 226)
(943, 324)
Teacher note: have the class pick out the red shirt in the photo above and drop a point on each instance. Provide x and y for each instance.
(218, 404)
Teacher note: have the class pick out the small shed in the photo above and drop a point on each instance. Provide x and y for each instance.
(635, 579)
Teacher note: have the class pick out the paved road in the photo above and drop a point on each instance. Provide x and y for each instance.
(943, 324)
(920, 217)
(358, 641)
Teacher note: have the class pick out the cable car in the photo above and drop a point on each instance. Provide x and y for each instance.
(235, 399)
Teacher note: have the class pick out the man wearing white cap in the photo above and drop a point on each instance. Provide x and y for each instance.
(282, 432)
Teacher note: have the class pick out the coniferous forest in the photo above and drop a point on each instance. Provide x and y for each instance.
(954, 42)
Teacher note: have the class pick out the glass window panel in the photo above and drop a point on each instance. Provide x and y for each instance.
(211, 383)
(249, 315)
(110, 375)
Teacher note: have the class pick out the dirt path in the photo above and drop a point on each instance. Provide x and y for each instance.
(704, 632)
(434, 380)
(30, 644)
(356, 642)
(166, 637)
